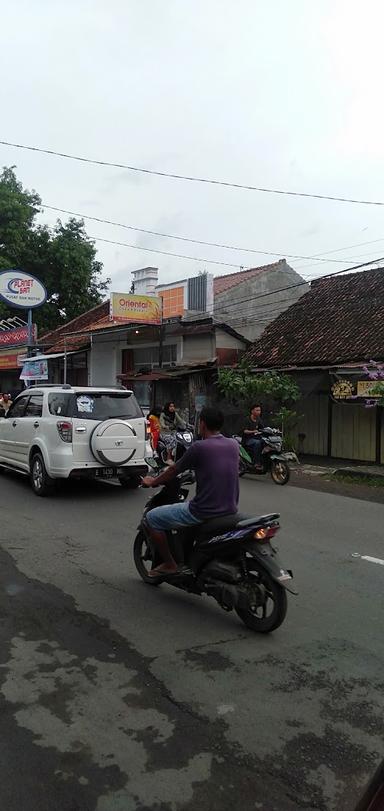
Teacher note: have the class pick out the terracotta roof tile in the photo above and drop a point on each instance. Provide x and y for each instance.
(222, 283)
(50, 338)
(339, 320)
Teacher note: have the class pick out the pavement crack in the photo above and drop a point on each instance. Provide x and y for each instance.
(212, 644)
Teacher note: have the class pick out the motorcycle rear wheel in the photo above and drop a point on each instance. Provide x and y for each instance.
(280, 472)
(142, 554)
(257, 619)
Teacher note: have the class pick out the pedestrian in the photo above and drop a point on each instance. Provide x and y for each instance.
(5, 402)
(170, 423)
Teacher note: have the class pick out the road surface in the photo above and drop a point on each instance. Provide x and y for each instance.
(116, 696)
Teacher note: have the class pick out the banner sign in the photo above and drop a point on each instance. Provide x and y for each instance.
(20, 289)
(34, 370)
(137, 309)
(8, 360)
(364, 388)
(17, 337)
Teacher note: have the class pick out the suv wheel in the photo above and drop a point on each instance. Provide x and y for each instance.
(130, 482)
(42, 484)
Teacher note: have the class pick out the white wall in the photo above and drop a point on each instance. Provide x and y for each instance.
(103, 364)
(226, 341)
(199, 347)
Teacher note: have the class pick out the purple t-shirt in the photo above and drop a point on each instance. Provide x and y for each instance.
(216, 464)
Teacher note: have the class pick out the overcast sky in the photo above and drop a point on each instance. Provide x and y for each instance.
(284, 94)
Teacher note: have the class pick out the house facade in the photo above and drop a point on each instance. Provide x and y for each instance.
(249, 300)
(176, 360)
(325, 341)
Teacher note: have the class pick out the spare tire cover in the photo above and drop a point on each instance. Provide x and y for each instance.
(113, 442)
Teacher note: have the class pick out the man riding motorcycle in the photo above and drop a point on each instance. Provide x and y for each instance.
(215, 461)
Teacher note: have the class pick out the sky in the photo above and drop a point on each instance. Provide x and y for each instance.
(276, 94)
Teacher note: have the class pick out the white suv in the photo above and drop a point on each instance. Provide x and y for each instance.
(57, 432)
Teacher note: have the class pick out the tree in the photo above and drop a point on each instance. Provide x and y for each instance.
(64, 259)
(241, 387)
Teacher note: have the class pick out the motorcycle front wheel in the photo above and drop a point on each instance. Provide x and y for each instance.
(144, 560)
(280, 472)
(243, 467)
(266, 617)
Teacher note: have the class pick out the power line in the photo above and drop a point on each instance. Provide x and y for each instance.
(189, 239)
(228, 264)
(166, 253)
(348, 247)
(224, 308)
(192, 178)
(249, 298)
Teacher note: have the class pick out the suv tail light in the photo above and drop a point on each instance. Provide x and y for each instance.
(148, 429)
(65, 430)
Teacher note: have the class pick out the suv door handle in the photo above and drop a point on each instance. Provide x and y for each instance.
(81, 429)
(36, 424)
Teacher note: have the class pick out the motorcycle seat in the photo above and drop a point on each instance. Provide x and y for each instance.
(258, 519)
(224, 523)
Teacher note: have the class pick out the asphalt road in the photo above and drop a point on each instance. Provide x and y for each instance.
(115, 696)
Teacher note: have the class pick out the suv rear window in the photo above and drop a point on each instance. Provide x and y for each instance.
(94, 405)
(105, 406)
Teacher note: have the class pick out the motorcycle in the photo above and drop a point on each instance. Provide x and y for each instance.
(229, 558)
(184, 439)
(273, 459)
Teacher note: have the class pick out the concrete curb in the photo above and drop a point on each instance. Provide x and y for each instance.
(358, 473)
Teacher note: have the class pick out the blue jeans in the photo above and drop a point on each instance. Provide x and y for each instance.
(254, 446)
(171, 516)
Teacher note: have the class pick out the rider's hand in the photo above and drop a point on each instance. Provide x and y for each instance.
(149, 481)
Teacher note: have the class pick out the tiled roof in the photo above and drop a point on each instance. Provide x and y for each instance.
(339, 320)
(54, 340)
(222, 283)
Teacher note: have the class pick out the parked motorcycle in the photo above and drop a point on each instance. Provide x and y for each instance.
(230, 558)
(184, 439)
(273, 459)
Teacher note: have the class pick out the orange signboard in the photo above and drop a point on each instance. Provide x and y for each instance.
(137, 309)
(8, 360)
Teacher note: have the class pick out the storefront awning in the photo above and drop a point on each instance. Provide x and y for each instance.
(49, 357)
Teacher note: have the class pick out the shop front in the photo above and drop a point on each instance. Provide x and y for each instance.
(340, 417)
(10, 369)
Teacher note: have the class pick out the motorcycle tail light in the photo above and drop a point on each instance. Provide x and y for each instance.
(65, 430)
(265, 533)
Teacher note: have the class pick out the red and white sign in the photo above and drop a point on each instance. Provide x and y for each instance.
(20, 289)
(17, 337)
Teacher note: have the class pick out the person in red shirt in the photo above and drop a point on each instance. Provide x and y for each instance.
(154, 424)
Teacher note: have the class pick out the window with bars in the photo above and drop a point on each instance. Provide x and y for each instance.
(147, 357)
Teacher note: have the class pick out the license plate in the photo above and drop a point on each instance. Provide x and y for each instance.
(105, 472)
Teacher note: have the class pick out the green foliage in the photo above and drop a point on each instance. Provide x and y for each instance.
(286, 419)
(63, 258)
(378, 389)
(242, 387)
